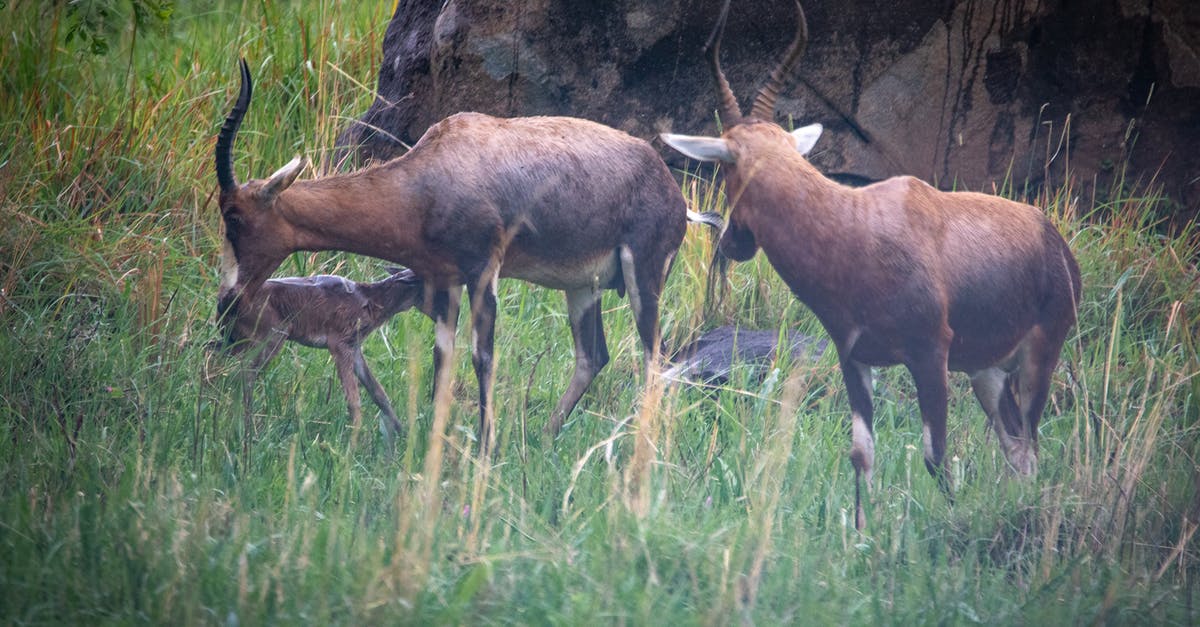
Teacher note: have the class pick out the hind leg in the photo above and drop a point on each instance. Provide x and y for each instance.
(591, 351)
(1038, 361)
(389, 424)
(993, 389)
(343, 361)
(644, 280)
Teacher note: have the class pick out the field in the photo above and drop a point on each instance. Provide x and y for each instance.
(125, 497)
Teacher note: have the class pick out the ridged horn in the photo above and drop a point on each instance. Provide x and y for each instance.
(764, 104)
(229, 131)
(731, 114)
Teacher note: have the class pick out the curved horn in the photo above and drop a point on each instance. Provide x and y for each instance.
(730, 112)
(764, 105)
(229, 131)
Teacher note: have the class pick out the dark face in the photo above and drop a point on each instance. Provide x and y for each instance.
(249, 253)
(737, 242)
(228, 321)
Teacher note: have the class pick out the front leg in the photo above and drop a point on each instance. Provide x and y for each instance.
(443, 309)
(254, 363)
(857, 376)
(482, 291)
(389, 423)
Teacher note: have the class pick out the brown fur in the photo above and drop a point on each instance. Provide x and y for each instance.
(902, 273)
(550, 200)
(323, 311)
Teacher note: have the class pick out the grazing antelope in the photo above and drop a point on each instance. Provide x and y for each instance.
(560, 202)
(323, 311)
(899, 273)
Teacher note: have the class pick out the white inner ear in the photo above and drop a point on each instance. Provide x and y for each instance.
(700, 148)
(285, 176)
(806, 137)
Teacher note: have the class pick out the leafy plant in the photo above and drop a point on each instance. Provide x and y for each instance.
(93, 24)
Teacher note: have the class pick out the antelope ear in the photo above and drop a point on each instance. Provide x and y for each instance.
(806, 137)
(700, 148)
(283, 177)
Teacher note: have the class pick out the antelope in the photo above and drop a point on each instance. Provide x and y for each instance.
(898, 272)
(560, 202)
(323, 311)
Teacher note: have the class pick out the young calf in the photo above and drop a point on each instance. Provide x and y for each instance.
(323, 311)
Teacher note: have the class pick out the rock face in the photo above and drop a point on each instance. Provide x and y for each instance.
(965, 93)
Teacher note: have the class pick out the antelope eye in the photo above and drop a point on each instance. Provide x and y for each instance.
(233, 225)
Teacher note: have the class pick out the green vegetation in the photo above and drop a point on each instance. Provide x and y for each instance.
(123, 497)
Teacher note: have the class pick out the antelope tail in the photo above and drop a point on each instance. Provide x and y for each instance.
(711, 218)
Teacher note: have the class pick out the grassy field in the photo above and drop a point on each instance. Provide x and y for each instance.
(124, 497)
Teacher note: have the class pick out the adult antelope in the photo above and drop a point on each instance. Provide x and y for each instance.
(898, 273)
(560, 202)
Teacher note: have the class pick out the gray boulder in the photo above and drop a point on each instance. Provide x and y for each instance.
(711, 357)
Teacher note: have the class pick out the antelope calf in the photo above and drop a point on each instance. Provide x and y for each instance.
(560, 202)
(322, 311)
(899, 273)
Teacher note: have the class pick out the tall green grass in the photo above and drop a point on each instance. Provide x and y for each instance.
(123, 497)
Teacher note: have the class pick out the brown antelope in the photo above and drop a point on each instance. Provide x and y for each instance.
(323, 311)
(899, 273)
(560, 202)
